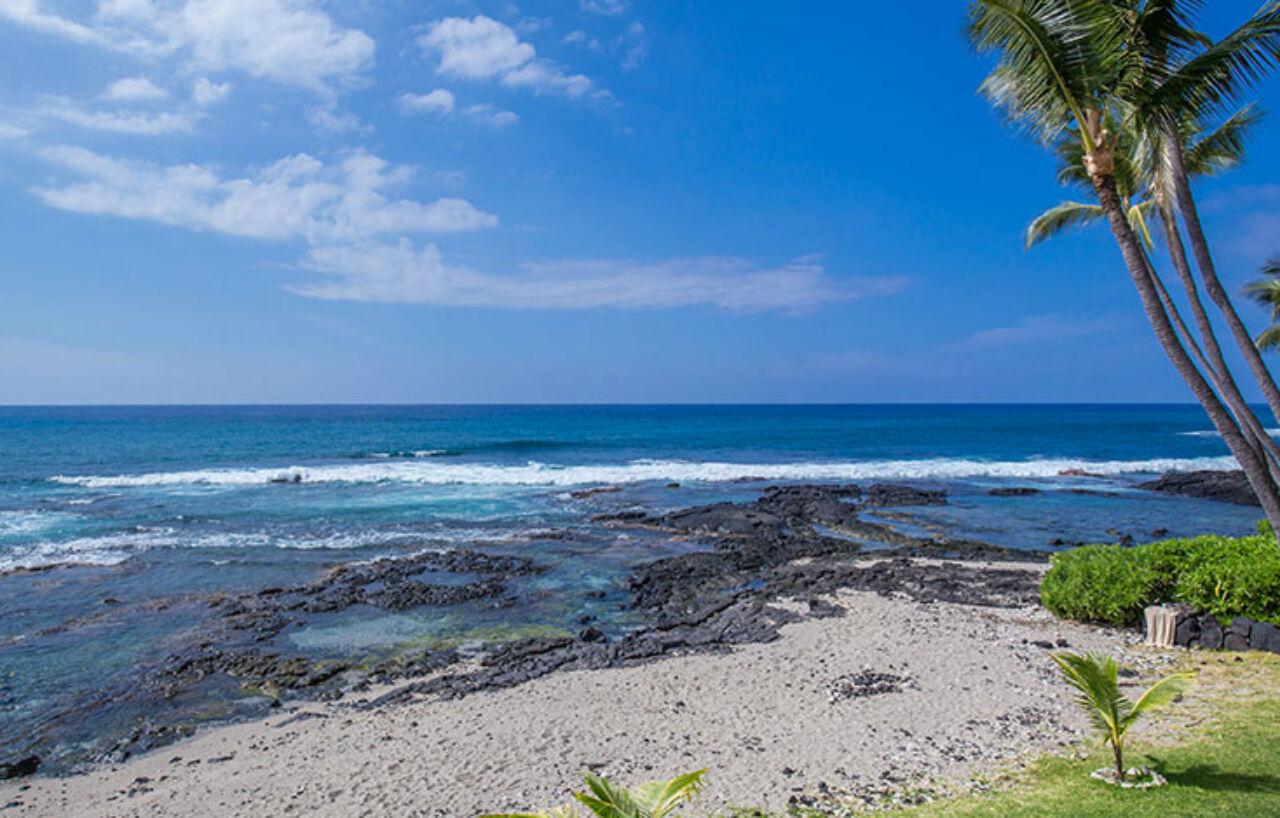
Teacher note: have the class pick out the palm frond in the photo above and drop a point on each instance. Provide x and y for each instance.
(1047, 73)
(660, 798)
(1094, 678)
(1269, 338)
(1218, 74)
(1161, 692)
(608, 800)
(1222, 148)
(1060, 217)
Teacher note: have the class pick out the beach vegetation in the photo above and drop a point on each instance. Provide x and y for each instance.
(1110, 712)
(1136, 102)
(1112, 584)
(605, 799)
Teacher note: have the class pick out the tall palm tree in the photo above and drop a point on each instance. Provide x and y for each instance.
(1144, 184)
(1070, 69)
(1195, 81)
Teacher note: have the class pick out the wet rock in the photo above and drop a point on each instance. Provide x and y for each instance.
(883, 495)
(1016, 491)
(413, 594)
(20, 768)
(1226, 486)
(585, 494)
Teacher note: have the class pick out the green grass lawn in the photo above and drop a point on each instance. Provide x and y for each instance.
(1228, 764)
(1219, 748)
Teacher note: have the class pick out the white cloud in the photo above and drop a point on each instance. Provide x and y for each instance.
(438, 101)
(486, 114)
(399, 273)
(12, 131)
(287, 41)
(442, 103)
(607, 7)
(1035, 330)
(133, 89)
(27, 13)
(137, 123)
(296, 197)
(637, 47)
(483, 48)
(206, 92)
(326, 118)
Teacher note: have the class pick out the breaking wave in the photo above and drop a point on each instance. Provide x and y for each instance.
(431, 472)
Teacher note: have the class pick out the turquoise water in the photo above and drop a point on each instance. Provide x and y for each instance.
(135, 514)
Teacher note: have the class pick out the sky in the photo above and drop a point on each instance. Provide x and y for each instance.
(578, 201)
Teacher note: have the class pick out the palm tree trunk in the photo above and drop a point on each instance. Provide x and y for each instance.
(1135, 260)
(1209, 274)
(1219, 371)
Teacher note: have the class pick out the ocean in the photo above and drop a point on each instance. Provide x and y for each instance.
(118, 525)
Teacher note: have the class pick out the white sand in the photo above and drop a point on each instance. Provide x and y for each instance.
(760, 718)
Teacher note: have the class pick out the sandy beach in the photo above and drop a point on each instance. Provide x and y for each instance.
(962, 688)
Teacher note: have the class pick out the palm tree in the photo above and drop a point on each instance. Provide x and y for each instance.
(1196, 82)
(1076, 70)
(1143, 182)
(1095, 678)
(1266, 291)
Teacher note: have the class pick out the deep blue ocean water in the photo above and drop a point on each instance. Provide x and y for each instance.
(137, 509)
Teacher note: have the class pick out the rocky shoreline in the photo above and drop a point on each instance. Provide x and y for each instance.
(802, 542)
(799, 542)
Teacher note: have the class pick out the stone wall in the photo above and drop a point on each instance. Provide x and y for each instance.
(1197, 630)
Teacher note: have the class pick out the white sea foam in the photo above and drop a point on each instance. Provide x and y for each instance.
(1215, 433)
(544, 474)
(112, 549)
(28, 522)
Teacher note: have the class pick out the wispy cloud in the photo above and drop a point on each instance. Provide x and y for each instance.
(1036, 329)
(400, 273)
(292, 42)
(442, 103)
(486, 114)
(482, 48)
(438, 101)
(205, 92)
(134, 89)
(296, 197)
(137, 123)
(606, 7)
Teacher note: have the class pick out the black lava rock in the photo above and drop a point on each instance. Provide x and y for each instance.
(1226, 486)
(20, 768)
(1265, 636)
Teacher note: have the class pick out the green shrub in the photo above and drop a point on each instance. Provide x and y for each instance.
(1241, 579)
(1112, 584)
(1099, 583)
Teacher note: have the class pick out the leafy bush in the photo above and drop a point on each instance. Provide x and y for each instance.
(1099, 583)
(1241, 579)
(1111, 584)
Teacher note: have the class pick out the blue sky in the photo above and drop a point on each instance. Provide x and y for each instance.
(571, 201)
